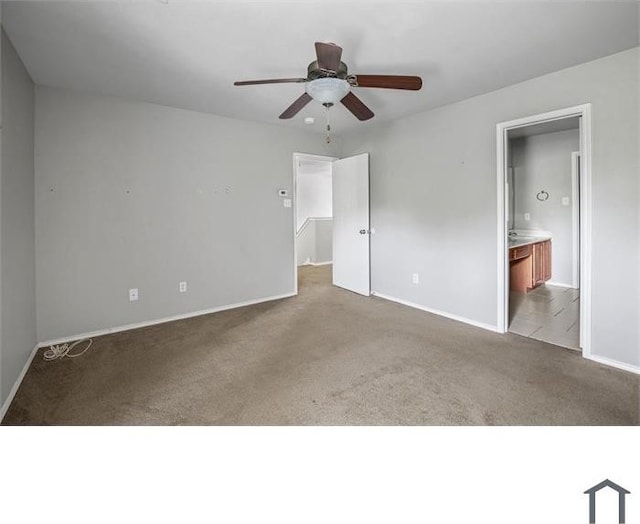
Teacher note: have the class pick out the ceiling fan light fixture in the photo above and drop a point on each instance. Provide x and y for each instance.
(328, 90)
(329, 82)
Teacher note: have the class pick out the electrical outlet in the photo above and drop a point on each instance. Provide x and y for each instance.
(133, 294)
(415, 278)
(182, 287)
(527, 217)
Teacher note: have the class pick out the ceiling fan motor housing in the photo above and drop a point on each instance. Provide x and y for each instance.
(314, 71)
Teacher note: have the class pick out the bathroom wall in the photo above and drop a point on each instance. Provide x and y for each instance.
(543, 163)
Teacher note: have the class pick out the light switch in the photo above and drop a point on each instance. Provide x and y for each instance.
(565, 201)
(286, 202)
(527, 216)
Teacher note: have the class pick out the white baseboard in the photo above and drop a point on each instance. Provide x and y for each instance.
(615, 364)
(559, 284)
(16, 384)
(601, 360)
(451, 316)
(147, 323)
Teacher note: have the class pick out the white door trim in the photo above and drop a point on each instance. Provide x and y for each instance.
(575, 219)
(294, 207)
(502, 128)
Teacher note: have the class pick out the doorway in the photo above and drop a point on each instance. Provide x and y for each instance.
(544, 298)
(543, 227)
(313, 210)
(331, 218)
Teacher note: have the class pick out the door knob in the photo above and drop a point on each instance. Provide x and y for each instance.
(363, 231)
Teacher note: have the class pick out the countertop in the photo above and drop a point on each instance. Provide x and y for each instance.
(526, 240)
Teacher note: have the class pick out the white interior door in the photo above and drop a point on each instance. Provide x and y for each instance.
(351, 223)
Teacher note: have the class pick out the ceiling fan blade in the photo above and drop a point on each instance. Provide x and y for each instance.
(329, 56)
(271, 81)
(412, 83)
(293, 109)
(357, 107)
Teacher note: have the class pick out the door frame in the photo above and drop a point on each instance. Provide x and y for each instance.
(294, 205)
(585, 206)
(575, 219)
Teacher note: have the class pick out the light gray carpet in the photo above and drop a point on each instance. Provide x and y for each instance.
(327, 356)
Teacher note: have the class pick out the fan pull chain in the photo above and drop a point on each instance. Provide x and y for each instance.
(328, 126)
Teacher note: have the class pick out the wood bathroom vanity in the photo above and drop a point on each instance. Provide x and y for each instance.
(529, 265)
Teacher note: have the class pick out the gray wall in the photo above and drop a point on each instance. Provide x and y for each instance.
(543, 162)
(324, 241)
(306, 243)
(313, 193)
(314, 202)
(131, 194)
(433, 198)
(314, 242)
(17, 237)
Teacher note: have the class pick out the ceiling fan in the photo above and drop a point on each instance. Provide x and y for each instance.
(329, 82)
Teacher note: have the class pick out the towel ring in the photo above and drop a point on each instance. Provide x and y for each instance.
(542, 196)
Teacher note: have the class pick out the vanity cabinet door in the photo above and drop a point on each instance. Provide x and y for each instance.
(538, 264)
(541, 262)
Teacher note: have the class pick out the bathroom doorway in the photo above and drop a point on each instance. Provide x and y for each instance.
(544, 297)
(543, 229)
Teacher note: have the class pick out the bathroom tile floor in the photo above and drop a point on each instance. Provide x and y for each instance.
(548, 313)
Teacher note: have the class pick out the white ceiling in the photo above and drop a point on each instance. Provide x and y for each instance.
(187, 54)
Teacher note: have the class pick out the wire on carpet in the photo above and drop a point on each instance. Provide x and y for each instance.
(64, 350)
